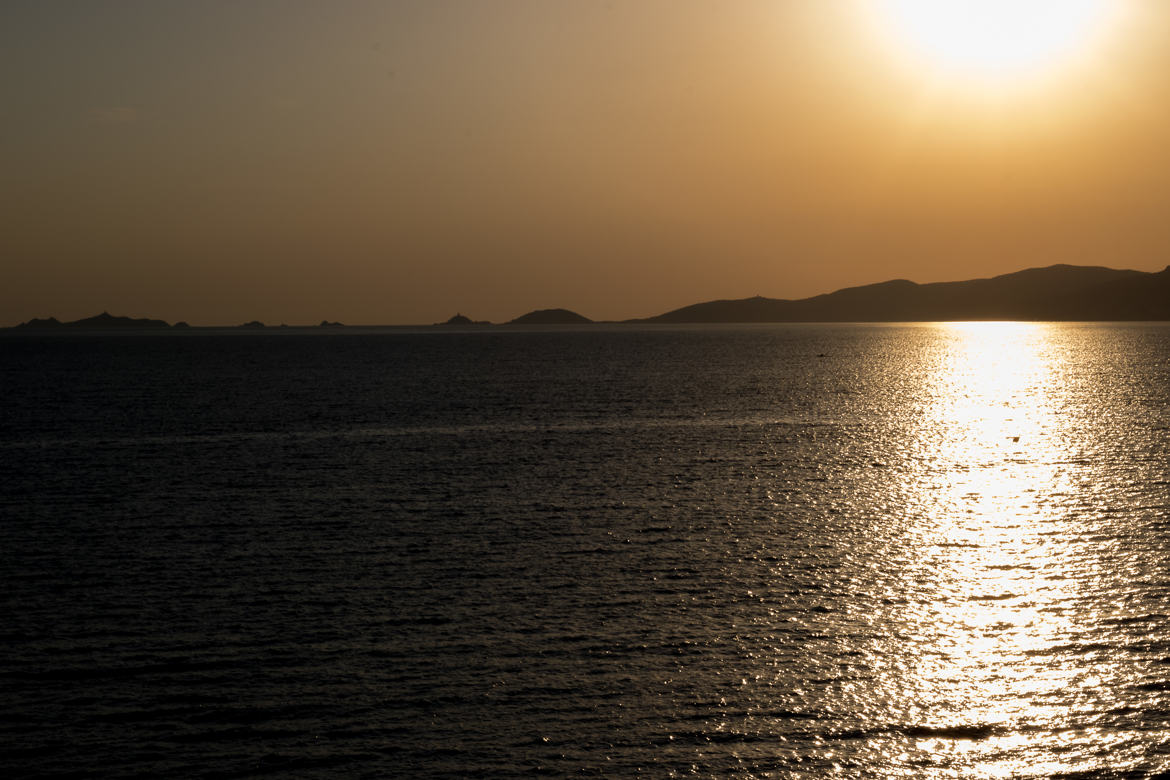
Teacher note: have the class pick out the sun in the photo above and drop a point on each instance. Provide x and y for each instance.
(994, 39)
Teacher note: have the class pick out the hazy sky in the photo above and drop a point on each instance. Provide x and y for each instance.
(396, 162)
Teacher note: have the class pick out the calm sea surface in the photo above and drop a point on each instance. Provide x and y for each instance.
(776, 551)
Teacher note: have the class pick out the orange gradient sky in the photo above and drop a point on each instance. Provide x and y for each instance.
(396, 162)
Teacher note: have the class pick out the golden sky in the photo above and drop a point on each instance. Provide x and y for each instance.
(395, 162)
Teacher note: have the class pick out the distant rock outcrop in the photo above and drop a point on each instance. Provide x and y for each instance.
(254, 325)
(1058, 292)
(328, 324)
(551, 317)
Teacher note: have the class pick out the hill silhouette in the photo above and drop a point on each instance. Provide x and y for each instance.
(551, 317)
(1058, 292)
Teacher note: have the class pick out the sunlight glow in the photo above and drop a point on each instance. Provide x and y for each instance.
(994, 39)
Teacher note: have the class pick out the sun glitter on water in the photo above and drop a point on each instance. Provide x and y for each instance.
(993, 40)
(995, 436)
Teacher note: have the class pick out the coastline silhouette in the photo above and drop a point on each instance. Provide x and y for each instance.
(1056, 293)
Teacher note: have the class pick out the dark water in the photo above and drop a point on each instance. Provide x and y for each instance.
(790, 551)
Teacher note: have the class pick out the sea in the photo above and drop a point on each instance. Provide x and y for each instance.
(753, 551)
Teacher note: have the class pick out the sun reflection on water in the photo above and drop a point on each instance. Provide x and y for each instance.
(992, 547)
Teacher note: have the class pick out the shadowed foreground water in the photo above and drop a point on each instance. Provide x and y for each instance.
(777, 551)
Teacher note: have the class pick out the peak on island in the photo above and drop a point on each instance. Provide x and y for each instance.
(551, 317)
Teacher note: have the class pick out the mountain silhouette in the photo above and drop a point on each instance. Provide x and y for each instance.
(1058, 292)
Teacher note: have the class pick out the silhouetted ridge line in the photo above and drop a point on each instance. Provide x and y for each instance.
(1058, 292)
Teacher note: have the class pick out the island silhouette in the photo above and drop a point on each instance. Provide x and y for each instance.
(551, 317)
(460, 320)
(103, 321)
(1055, 293)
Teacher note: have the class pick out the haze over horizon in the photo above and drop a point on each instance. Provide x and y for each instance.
(393, 163)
